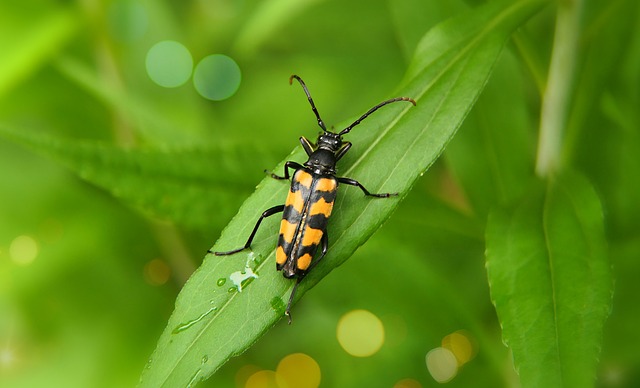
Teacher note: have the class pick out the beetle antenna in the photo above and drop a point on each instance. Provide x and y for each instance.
(375, 108)
(313, 106)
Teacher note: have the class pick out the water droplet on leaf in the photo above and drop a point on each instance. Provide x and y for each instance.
(184, 326)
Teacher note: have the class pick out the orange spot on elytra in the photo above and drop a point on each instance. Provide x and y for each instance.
(311, 237)
(287, 230)
(295, 199)
(326, 184)
(304, 261)
(281, 257)
(321, 207)
(304, 178)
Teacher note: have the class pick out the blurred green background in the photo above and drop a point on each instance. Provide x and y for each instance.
(90, 265)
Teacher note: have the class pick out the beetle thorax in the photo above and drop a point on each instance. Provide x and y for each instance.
(323, 159)
(322, 162)
(329, 141)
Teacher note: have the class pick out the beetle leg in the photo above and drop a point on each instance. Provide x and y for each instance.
(287, 312)
(287, 166)
(265, 214)
(354, 182)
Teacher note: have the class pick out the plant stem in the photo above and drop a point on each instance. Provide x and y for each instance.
(174, 250)
(557, 96)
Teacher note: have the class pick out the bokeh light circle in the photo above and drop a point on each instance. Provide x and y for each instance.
(461, 344)
(298, 370)
(407, 383)
(360, 333)
(262, 379)
(169, 64)
(23, 250)
(217, 77)
(442, 364)
(157, 272)
(7, 358)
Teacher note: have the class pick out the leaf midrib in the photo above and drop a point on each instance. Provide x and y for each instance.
(550, 260)
(489, 27)
(466, 48)
(213, 318)
(575, 211)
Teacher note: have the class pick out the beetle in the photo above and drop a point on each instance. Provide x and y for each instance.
(309, 203)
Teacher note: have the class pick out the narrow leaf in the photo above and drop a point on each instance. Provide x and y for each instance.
(267, 18)
(175, 127)
(28, 38)
(492, 155)
(218, 314)
(195, 188)
(551, 282)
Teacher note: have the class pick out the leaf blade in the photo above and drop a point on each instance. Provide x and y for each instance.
(179, 185)
(393, 148)
(31, 39)
(551, 282)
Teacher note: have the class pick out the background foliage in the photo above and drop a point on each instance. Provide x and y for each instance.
(107, 150)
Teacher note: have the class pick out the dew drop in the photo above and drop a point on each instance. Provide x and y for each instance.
(232, 289)
(184, 326)
(221, 282)
(205, 359)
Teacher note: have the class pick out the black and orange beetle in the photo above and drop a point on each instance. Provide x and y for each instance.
(310, 201)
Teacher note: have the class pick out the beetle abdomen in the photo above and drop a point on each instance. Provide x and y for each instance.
(304, 220)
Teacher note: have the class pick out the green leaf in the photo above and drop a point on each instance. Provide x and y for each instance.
(605, 102)
(267, 18)
(212, 320)
(551, 282)
(29, 36)
(492, 156)
(174, 127)
(195, 188)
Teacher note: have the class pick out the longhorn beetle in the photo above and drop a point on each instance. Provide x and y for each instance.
(308, 206)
